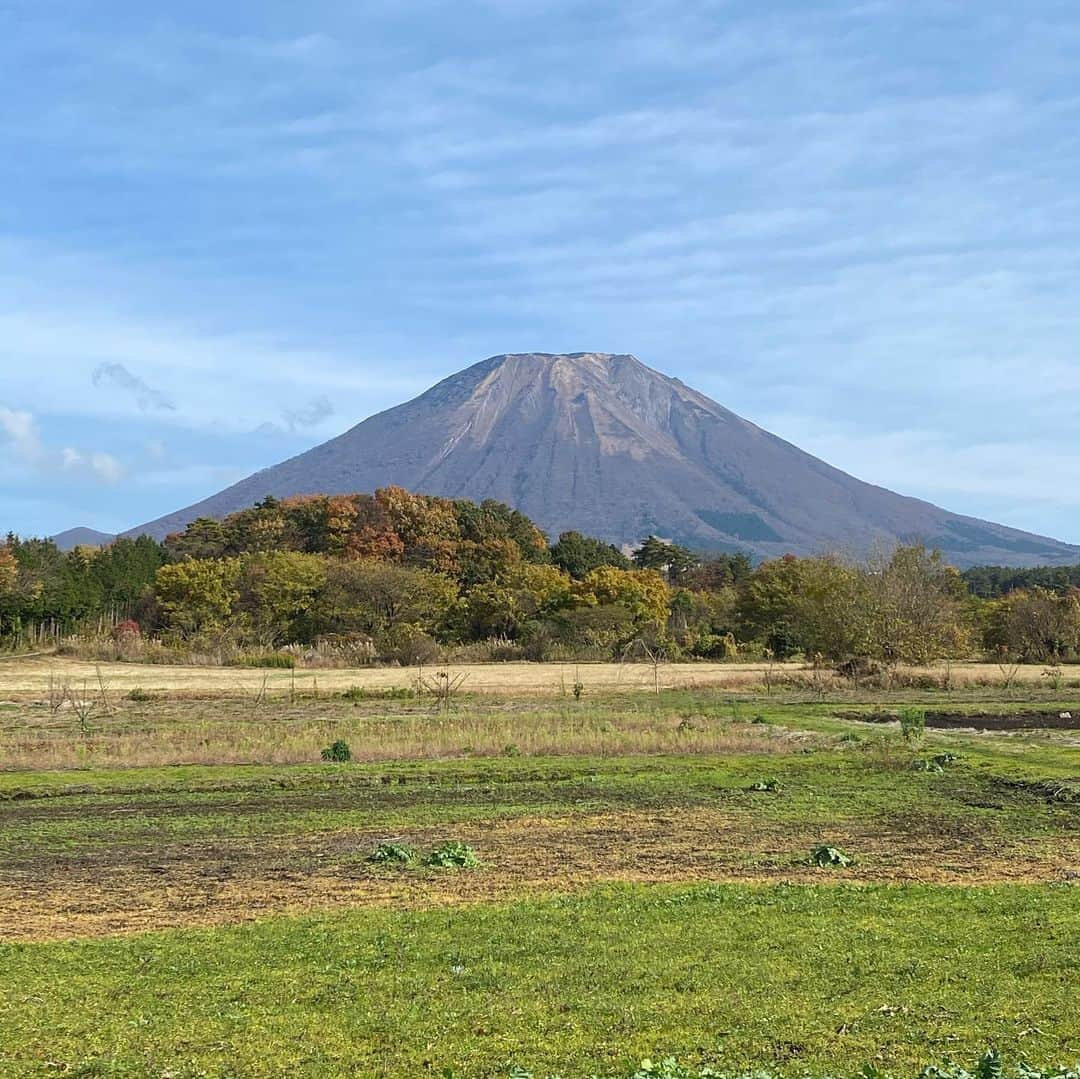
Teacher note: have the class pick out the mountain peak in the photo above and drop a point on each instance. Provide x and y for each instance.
(600, 442)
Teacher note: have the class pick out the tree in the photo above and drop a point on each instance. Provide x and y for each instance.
(643, 593)
(917, 610)
(279, 591)
(668, 558)
(1034, 625)
(198, 596)
(579, 555)
(810, 605)
(204, 538)
(375, 597)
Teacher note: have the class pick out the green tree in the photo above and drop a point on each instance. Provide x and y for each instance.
(579, 555)
(198, 596)
(279, 592)
(668, 558)
(376, 597)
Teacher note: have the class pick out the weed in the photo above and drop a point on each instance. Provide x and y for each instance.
(829, 857)
(140, 696)
(453, 856)
(393, 854)
(770, 784)
(338, 751)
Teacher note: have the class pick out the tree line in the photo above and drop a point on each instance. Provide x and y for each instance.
(396, 576)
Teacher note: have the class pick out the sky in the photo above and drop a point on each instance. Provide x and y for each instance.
(231, 231)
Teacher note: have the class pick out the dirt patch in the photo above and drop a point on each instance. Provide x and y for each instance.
(981, 721)
(128, 889)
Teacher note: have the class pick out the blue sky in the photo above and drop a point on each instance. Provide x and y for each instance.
(230, 231)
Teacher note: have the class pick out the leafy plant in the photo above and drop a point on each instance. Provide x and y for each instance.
(338, 752)
(829, 857)
(393, 854)
(453, 855)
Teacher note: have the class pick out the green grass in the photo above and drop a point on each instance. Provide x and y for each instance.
(824, 788)
(794, 979)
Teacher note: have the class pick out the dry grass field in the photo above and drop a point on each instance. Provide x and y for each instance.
(23, 678)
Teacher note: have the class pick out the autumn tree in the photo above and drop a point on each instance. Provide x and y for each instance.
(1034, 625)
(916, 605)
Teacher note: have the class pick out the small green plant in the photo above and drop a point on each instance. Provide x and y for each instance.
(338, 752)
(453, 856)
(769, 784)
(912, 725)
(827, 857)
(140, 696)
(393, 854)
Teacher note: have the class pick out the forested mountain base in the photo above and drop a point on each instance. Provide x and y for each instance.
(395, 577)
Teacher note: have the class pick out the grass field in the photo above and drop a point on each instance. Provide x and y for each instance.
(186, 890)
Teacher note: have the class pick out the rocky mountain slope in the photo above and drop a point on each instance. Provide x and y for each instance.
(606, 445)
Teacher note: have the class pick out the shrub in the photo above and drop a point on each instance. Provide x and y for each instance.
(126, 630)
(338, 752)
(829, 857)
(141, 696)
(912, 724)
(393, 854)
(278, 660)
(453, 856)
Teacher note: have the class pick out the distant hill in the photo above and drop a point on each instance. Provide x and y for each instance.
(606, 445)
(81, 537)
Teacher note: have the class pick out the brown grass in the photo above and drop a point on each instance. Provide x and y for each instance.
(169, 732)
(29, 678)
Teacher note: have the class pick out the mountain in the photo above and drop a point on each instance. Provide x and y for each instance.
(81, 537)
(603, 444)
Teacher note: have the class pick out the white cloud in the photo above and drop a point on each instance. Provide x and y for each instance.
(20, 429)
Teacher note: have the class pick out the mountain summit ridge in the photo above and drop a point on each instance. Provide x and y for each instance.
(601, 443)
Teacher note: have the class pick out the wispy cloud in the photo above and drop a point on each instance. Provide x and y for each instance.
(118, 376)
(309, 415)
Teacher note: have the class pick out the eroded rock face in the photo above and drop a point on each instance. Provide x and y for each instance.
(606, 445)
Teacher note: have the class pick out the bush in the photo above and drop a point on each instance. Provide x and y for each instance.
(392, 854)
(912, 724)
(278, 660)
(453, 856)
(338, 752)
(141, 696)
